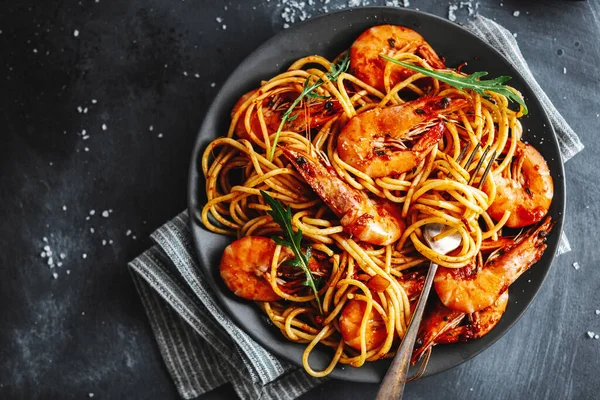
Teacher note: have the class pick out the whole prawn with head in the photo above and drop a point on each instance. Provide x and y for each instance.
(375, 221)
(376, 142)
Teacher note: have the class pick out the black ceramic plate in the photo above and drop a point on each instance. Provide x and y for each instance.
(328, 35)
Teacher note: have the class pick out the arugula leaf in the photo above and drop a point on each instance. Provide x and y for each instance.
(473, 82)
(309, 91)
(283, 218)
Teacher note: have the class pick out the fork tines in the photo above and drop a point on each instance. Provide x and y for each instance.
(482, 159)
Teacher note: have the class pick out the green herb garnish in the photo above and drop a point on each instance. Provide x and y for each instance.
(472, 81)
(283, 218)
(309, 92)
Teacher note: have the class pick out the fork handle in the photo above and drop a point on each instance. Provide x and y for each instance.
(392, 386)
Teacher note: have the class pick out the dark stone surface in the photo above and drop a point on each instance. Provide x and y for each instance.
(86, 332)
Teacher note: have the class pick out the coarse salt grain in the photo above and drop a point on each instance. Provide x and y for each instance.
(47, 248)
(128, 232)
(86, 148)
(64, 208)
(224, 27)
(105, 214)
(213, 84)
(219, 19)
(576, 265)
(84, 256)
(151, 128)
(68, 272)
(597, 312)
(54, 275)
(516, 13)
(94, 101)
(92, 212)
(103, 242)
(160, 135)
(76, 33)
(43, 254)
(564, 70)
(92, 230)
(79, 109)
(110, 241)
(104, 127)
(45, 239)
(185, 73)
(59, 264)
(196, 75)
(451, 12)
(590, 334)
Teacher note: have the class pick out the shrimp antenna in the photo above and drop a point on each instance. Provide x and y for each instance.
(424, 361)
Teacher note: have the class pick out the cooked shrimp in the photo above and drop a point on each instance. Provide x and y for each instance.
(351, 319)
(480, 323)
(469, 290)
(311, 114)
(374, 221)
(436, 320)
(244, 264)
(367, 65)
(442, 325)
(412, 284)
(527, 193)
(375, 141)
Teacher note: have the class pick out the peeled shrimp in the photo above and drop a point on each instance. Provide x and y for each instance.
(367, 65)
(527, 193)
(374, 221)
(244, 264)
(351, 319)
(469, 290)
(375, 141)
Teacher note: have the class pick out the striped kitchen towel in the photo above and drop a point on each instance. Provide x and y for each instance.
(201, 346)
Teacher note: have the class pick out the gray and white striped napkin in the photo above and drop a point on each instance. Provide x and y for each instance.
(200, 344)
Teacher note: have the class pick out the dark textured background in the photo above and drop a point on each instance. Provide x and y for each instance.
(86, 332)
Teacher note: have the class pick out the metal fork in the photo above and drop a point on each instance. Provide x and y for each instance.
(461, 157)
(394, 381)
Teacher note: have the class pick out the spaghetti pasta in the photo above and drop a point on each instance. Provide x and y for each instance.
(369, 283)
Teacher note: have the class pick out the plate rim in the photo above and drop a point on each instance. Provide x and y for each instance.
(194, 225)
